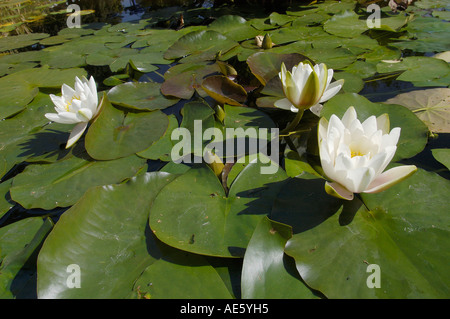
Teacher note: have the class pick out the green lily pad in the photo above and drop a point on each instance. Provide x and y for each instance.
(15, 96)
(337, 58)
(199, 46)
(416, 68)
(403, 234)
(106, 227)
(195, 278)
(266, 271)
(234, 27)
(431, 4)
(19, 244)
(162, 148)
(140, 96)
(346, 24)
(361, 68)
(380, 53)
(207, 221)
(442, 155)
(432, 106)
(183, 80)
(63, 183)
(20, 41)
(413, 136)
(353, 83)
(5, 199)
(115, 134)
(28, 135)
(108, 56)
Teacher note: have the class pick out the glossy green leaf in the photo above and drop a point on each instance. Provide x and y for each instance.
(346, 24)
(416, 68)
(19, 245)
(183, 80)
(404, 240)
(162, 148)
(61, 184)
(20, 41)
(181, 275)
(140, 96)
(267, 273)
(208, 221)
(115, 133)
(442, 155)
(199, 46)
(106, 234)
(233, 27)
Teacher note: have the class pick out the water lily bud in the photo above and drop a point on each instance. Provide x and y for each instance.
(307, 86)
(267, 42)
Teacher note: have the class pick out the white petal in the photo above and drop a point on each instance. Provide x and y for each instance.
(383, 123)
(370, 125)
(322, 129)
(390, 178)
(331, 90)
(59, 102)
(63, 118)
(86, 114)
(284, 104)
(392, 138)
(76, 133)
(93, 87)
(349, 116)
(67, 92)
(361, 178)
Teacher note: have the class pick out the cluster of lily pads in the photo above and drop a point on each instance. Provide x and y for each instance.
(106, 195)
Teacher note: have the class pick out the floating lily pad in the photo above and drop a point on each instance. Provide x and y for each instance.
(199, 46)
(432, 106)
(115, 133)
(234, 27)
(207, 220)
(183, 80)
(140, 96)
(352, 82)
(19, 244)
(337, 58)
(20, 41)
(63, 183)
(442, 155)
(106, 227)
(162, 148)
(396, 234)
(266, 271)
(346, 24)
(416, 68)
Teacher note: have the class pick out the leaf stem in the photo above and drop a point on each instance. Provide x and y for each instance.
(291, 126)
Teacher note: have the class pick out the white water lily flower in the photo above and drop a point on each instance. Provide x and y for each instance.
(79, 105)
(307, 86)
(354, 154)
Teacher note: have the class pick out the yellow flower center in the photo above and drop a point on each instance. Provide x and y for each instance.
(70, 102)
(356, 153)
